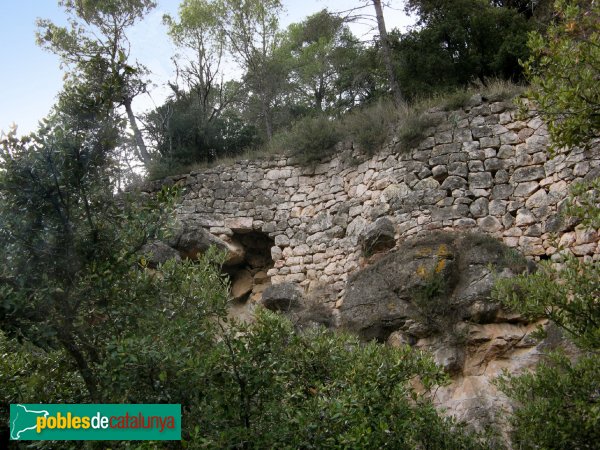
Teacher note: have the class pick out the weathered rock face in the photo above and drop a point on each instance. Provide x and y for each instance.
(190, 240)
(327, 236)
(481, 169)
(433, 292)
(379, 236)
(158, 253)
(282, 297)
(427, 286)
(304, 311)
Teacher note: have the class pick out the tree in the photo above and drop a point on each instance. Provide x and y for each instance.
(95, 44)
(325, 64)
(312, 44)
(67, 242)
(182, 138)
(381, 49)
(253, 36)
(458, 42)
(384, 42)
(564, 69)
(199, 32)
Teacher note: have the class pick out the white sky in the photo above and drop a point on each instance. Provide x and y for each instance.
(30, 78)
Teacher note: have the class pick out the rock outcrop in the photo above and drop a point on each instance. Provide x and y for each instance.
(433, 292)
(282, 297)
(158, 252)
(482, 168)
(429, 285)
(405, 246)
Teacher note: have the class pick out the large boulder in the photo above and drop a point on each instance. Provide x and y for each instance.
(282, 297)
(427, 286)
(191, 239)
(236, 253)
(158, 252)
(378, 237)
(306, 311)
(241, 285)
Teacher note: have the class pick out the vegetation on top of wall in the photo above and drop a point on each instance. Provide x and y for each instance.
(313, 138)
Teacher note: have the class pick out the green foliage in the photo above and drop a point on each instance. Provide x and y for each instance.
(457, 42)
(68, 245)
(568, 296)
(369, 127)
(262, 385)
(312, 139)
(493, 90)
(564, 68)
(583, 203)
(95, 49)
(98, 325)
(558, 403)
(183, 136)
(29, 374)
(265, 386)
(323, 53)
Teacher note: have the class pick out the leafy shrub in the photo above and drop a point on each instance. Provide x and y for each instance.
(568, 296)
(557, 404)
(564, 69)
(413, 129)
(183, 134)
(369, 127)
(312, 139)
(29, 374)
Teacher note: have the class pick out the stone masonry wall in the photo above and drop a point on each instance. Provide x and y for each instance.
(480, 169)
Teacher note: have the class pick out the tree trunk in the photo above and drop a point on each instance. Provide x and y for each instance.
(68, 343)
(387, 54)
(139, 140)
(268, 125)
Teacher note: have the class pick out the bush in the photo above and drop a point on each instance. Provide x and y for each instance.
(564, 69)
(557, 404)
(29, 374)
(413, 129)
(183, 135)
(370, 127)
(312, 139)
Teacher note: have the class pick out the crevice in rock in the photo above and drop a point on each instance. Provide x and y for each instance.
(248, 270)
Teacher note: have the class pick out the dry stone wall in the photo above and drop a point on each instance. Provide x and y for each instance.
(480, 169)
